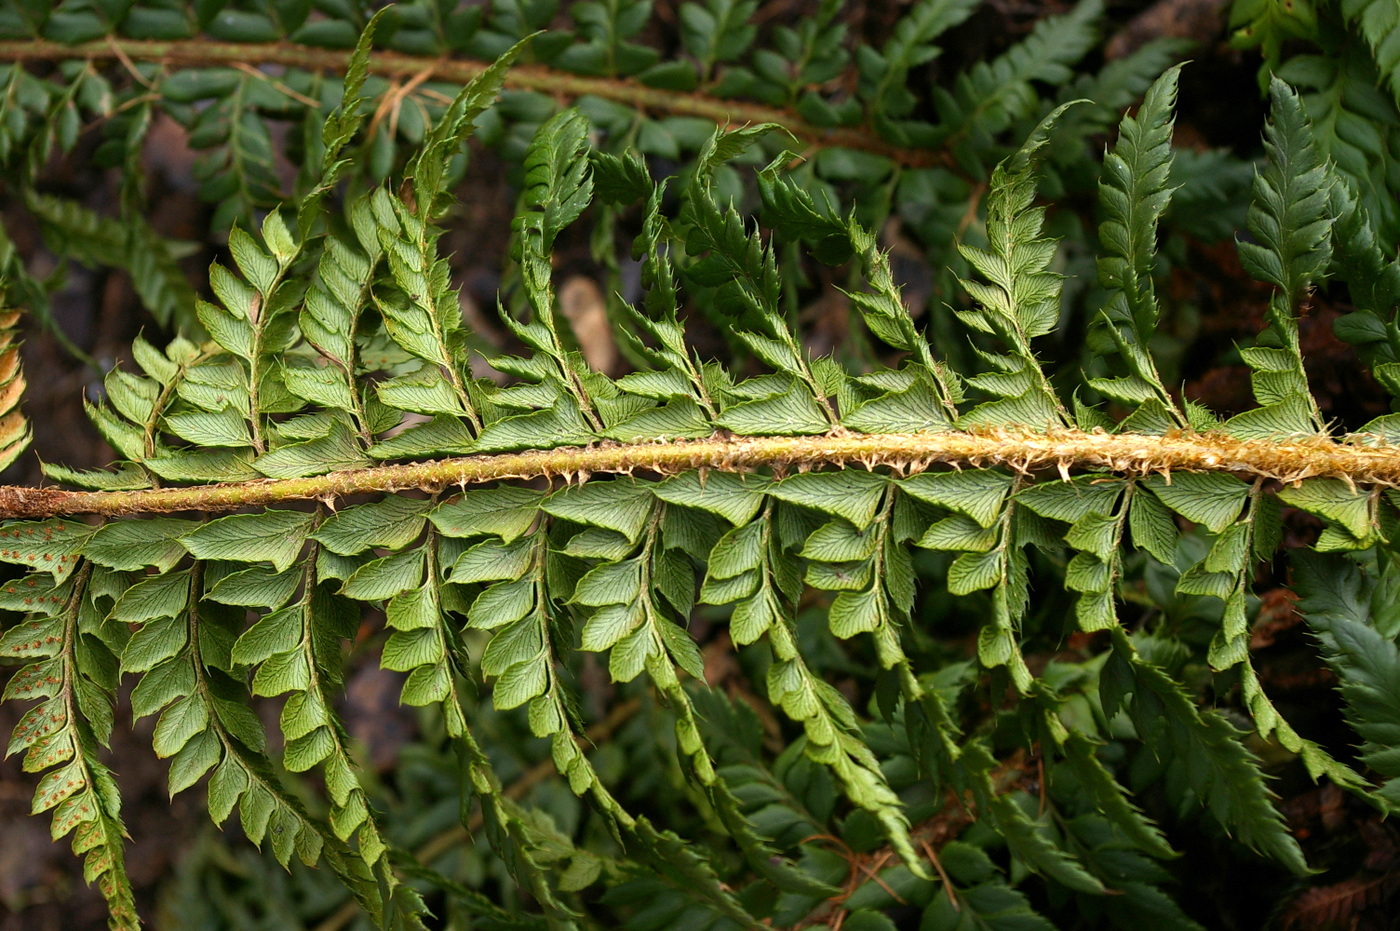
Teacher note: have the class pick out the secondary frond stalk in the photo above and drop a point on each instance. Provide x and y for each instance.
(204, 53)
(1287, 460)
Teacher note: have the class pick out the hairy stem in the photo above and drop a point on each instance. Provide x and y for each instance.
(205, 53)
(1286, 460)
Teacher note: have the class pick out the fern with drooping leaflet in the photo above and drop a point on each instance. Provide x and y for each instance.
(988, 532)
(748, 568)
(814, 50)
(556, 588)
(75, 716)
(872, 573)
(1176, 731)
(1100, 510)
(183, 649)
(522, 657)
(296, 648)
(1248, 529)
(239, 170)
(425, 646)
(636, 604)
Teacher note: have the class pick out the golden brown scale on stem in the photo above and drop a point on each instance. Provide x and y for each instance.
(1359, 460)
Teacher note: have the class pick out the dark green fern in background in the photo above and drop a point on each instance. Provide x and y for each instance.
(741, 644)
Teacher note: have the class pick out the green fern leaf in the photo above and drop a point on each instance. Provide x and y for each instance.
(1187, 739)
(781, 491)
(992, 95)
(1379, 24)
(1020, 299)
(1291, 221)
(1336, 601)
(1269, 23)
(65, 731)
(1132, 200)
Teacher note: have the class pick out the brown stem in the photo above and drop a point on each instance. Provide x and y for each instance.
(205, 53)
(1288, 460)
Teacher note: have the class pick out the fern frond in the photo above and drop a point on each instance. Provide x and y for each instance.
(743, 272)
(760, 528)
(1289, 216)
(677, 379)
(1379, 24)
(314, 733)
(884, 73)
(1186, 740)
(1291, 221)
(340, 128)
(1021, 299)
(1336, 599)
(559, 185)
(186, 653)
(75, 717)
(1354, 122)
(1247, 526)
(1132, 201)
(989, 97)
